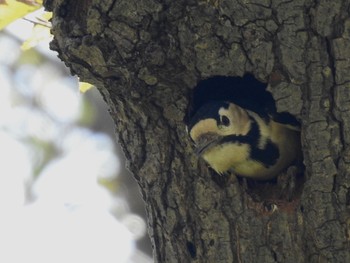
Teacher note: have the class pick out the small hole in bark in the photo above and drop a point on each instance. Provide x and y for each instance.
(274, 255)
(212, 242)
(302, 208)
(191, 249)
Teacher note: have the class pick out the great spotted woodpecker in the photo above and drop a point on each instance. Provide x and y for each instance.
(231, 138)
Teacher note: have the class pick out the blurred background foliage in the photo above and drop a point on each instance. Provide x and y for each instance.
(65, 195)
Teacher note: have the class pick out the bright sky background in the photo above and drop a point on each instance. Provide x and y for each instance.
(60, 214)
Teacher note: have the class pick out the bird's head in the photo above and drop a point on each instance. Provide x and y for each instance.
(214, 121)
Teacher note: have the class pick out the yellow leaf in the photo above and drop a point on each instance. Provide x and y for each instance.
(10, 10)
(84, 86)
(41, 32)
(45, 16)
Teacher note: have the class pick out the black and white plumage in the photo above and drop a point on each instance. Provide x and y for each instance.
(250, 144)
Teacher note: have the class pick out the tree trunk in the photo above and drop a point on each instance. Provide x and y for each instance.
(145, 56)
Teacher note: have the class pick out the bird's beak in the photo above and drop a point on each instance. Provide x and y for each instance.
(205, 142)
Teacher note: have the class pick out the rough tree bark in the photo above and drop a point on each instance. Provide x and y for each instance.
(145, 56)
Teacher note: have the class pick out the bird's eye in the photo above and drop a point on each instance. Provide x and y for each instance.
(225, 121)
